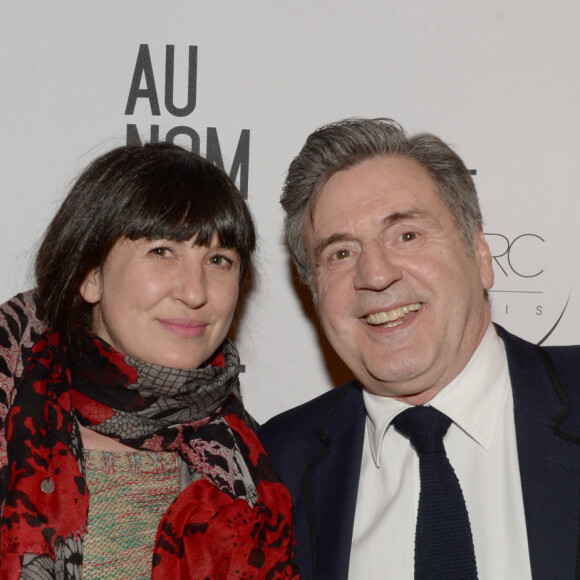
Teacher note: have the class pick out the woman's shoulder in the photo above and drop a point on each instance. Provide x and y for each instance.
(24, 302)
(19, 320)
(20, 328)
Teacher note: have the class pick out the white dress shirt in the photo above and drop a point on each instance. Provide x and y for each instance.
(481, 446)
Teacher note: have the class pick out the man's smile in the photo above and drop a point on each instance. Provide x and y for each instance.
(392, 317)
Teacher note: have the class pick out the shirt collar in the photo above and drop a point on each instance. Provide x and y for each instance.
(473, 399)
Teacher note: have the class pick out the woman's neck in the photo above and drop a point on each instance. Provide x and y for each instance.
(93, 440)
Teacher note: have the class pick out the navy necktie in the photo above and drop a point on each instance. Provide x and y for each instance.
(443, 541)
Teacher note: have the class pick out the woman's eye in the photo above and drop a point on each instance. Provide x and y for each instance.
(160, 252)
(408, 236)
(220, 260)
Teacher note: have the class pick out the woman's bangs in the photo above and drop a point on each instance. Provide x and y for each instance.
(214, 216)
(187, 215)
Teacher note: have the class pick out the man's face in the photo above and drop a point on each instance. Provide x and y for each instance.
(398, 297)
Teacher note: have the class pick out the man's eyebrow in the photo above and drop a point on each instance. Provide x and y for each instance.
(325, 242)
(402, 215)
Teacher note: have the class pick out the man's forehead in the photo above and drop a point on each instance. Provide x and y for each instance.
(382, 175)
(372, 197)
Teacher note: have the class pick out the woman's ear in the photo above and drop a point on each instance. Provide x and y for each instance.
(92, 287)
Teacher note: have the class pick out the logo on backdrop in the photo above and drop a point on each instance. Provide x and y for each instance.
(521, 289)
(144, 90)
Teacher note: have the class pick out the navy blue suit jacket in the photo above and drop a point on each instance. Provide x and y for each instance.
(317, 450)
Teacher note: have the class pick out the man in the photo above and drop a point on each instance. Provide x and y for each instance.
(387, 232)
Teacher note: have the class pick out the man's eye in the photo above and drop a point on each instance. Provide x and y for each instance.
(408, 236)
(341, 254)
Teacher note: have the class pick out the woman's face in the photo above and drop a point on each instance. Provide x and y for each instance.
(164, 302)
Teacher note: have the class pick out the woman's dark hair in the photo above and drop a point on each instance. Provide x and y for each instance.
(152, 191)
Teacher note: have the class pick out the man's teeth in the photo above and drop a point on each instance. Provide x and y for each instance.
(392, 316)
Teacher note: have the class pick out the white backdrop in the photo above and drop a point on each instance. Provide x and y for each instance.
(497, 80)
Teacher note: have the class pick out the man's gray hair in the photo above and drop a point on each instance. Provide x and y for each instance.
(346, 143)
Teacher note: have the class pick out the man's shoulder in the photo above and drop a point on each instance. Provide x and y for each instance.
(565, 355)
(566, 358)
(545, 381)
(295, 437)
(304, 421)
(316, 410)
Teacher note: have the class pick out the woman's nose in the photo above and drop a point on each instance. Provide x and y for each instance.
(191, 286)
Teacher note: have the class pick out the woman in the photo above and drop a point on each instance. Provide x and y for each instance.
(125, 450)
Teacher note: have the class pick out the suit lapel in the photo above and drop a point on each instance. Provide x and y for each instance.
(549, 464)
(331, 484)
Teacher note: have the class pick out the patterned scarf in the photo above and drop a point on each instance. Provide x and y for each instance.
(232, 521)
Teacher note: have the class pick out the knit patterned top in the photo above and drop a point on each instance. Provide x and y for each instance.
(129, 493)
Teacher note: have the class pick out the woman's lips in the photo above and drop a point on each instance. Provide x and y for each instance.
(184, 327)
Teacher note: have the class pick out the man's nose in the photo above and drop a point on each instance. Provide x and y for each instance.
(376, 269)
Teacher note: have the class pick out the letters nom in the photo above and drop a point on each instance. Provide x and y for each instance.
(240, 164)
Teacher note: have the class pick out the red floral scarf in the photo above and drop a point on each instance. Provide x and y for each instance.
(234, 519)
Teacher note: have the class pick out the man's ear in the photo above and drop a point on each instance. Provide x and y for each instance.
(92, 286)
(484, 259)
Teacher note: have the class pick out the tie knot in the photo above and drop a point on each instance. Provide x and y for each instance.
(425, 427)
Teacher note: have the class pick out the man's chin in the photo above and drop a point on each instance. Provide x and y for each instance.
(402, 383)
